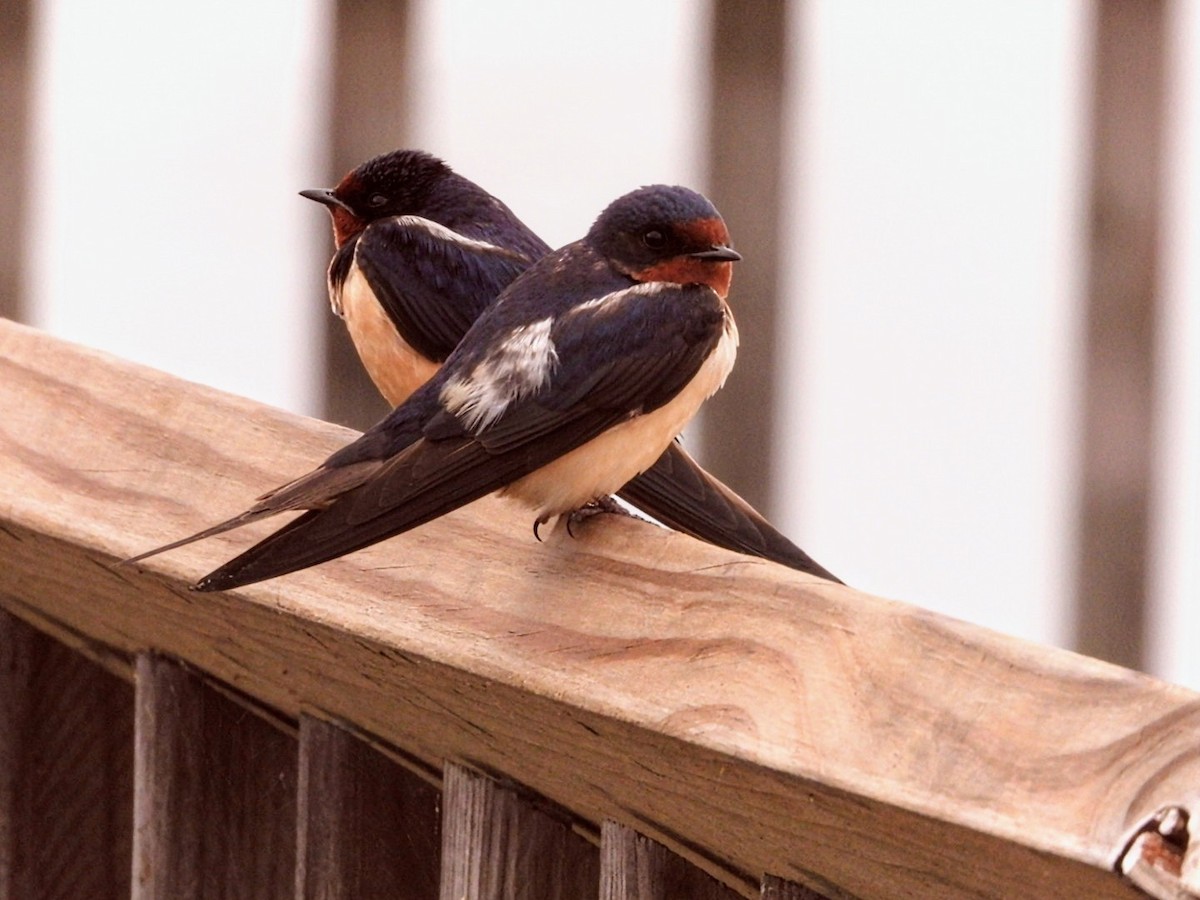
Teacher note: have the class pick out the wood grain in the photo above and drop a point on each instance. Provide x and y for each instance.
(777, 889)
(748, 718)
(66, 771)
(16, 676)
(633, 867)
(499, 843)
(214, 793)
(369, 829)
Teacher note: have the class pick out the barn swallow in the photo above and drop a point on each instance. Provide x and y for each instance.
(420, 252)
(574, 381)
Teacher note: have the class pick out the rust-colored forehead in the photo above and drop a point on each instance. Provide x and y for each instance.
(350, 184)
(705, 231)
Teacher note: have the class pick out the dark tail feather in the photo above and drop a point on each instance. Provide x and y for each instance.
(257, 563)
(316, 489)
(681, 495)
(315, 537)
(388, 505)
(250, 515)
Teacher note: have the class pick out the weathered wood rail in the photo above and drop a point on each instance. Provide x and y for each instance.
(463, 712)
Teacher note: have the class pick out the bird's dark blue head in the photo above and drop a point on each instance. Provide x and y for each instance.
(399, 183)
(665, 233)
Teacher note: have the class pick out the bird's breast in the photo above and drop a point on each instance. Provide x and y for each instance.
(394, 366)
(606, 463)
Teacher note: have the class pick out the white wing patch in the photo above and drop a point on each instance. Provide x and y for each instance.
(442, 233)
(519, 366)
(610, 303)
(608, 461)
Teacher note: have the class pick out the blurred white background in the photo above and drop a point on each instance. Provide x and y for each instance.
(934, 237)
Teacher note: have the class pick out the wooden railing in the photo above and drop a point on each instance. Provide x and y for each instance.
(463, 712)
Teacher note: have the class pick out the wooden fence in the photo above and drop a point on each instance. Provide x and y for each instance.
(463, 712)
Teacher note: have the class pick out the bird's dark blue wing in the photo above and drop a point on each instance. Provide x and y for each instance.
(623, 354)
(605, 374)
(433, 282)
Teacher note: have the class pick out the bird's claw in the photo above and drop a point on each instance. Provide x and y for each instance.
(575, 517)
(604, 504)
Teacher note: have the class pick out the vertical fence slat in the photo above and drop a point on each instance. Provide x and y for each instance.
(633, 867)
(1128, 119)
(66, 796)
(777, 889)
(16, 675)
(15, 80)
(748, 51)
(214, 793)
(369, 114)
(498, 844)
(368, 828)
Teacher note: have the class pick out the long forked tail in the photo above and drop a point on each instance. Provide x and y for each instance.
(411, 489)
(679, 493)
(315, 490)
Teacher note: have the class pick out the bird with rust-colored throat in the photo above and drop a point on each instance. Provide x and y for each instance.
(572, 383)
(420, 252)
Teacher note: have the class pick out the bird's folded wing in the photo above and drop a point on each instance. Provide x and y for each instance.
(598, 386)
(432, 282)
(311, 491)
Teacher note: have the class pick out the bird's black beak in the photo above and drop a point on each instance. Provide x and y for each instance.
(720, 253)
(325, 197)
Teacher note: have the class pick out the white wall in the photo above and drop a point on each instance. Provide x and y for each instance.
(560, 108)
(1175, 572)
(935, 176)
(170, 140)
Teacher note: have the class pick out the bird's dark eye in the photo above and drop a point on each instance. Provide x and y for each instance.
(377, 201)
(654, 239)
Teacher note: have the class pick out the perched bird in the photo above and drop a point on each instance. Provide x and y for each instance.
(576, 379)
(420, 252)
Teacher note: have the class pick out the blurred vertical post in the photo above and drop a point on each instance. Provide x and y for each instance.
(15, 83)
(745, 140)
(1122, 298)
(370, 115)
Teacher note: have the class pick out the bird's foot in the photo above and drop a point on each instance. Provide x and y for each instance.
(578, 516)
(604, 504)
